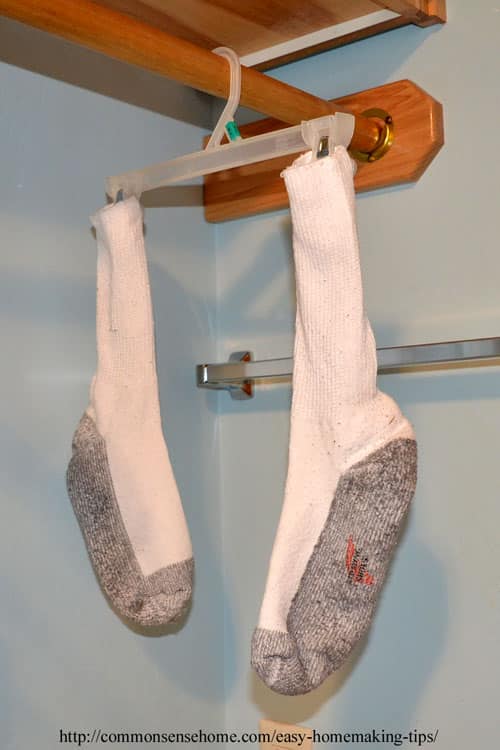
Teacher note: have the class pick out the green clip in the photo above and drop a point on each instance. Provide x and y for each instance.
(232, 131)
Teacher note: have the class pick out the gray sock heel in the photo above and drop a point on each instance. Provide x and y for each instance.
(338, 592)
(152, 600)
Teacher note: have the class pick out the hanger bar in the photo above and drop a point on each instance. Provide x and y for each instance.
(390, 359)
(125, 38)
(270, 145)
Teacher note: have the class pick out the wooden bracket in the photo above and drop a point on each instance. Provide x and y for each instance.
(418, 136)
(419, 12)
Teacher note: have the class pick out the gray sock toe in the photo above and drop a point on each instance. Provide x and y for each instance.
(275, 659)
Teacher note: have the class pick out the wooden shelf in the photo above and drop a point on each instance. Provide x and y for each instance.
(266, 33)
(143, 34)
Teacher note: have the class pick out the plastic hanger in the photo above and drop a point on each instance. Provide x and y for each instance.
(226, 121)
(335, 129)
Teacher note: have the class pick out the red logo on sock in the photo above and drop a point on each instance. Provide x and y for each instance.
(356, 565)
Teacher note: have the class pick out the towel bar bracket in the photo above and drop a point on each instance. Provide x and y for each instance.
(241, 389)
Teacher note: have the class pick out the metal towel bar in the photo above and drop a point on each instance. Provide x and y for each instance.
(238, 374)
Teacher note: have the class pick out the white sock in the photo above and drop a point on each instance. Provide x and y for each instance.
(338, 417)
(120, 480)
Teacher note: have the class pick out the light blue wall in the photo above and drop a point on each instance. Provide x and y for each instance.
(66, 660)
(431, 263)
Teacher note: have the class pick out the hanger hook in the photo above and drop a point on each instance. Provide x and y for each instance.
(233, 101)
(339, 127)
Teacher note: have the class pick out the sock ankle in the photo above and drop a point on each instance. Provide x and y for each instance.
(352, 462)
(120, 478)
